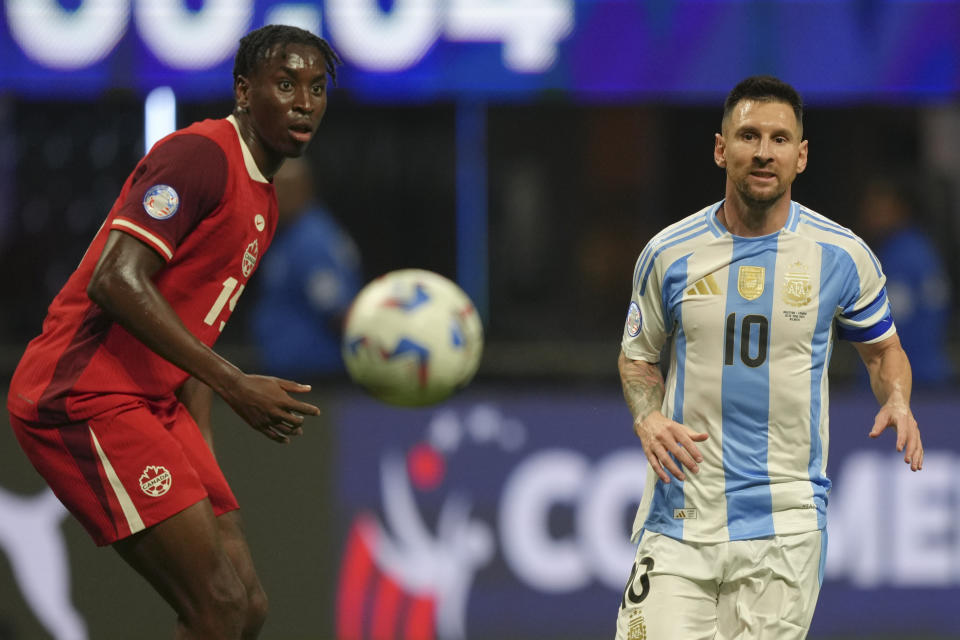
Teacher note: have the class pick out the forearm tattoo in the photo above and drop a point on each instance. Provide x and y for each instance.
(642, 389)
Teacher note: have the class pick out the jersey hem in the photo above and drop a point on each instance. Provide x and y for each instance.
(713, 539)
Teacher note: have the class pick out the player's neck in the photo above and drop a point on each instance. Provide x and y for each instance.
(267, 161)
(751, 221)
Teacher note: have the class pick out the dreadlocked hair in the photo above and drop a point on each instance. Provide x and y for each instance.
(256, 46)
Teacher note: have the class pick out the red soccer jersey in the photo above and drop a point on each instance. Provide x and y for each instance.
(199, 200)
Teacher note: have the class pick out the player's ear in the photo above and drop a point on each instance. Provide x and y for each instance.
(719, 151)
(802, 157)
(241, 92)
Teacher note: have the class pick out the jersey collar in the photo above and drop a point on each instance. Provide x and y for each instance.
(715, 226)
(252, 169)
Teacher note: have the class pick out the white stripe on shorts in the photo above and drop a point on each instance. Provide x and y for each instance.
(126, 504)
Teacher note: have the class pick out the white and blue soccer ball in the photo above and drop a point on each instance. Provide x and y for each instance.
(412, 338)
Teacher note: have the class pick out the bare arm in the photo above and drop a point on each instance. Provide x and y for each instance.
(892, 381)
(122, 286)
(660, 436)
(198, 399)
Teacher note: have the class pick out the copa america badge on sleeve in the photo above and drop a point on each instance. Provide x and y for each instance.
(634, 320)
(161, 201)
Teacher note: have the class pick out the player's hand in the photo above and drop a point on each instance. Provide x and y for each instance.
(661, 437)
(901, 418)
(265, 403)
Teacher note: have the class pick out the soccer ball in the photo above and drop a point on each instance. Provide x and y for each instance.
(412, 338)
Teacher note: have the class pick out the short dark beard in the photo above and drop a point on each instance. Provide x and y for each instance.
(756, 209)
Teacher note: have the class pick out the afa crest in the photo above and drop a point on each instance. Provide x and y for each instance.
(636, 627)
(797, 289)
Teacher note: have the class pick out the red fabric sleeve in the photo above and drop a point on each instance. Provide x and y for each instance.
(174, 187)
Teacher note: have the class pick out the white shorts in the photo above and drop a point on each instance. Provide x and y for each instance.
(762, 589)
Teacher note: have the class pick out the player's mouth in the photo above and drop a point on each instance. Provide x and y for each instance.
(765, 176)
(301, 131)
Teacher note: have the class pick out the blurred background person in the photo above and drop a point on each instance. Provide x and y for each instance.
(309, 279)
(890, 216)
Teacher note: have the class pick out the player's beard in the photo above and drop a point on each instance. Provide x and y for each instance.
(755, 200)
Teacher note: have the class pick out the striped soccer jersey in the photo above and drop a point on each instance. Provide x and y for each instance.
(752, 322)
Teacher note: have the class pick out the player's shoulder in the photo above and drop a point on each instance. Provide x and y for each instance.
(833, 236)
(824, 230)
(204, 137)
(685, 230)
(195, 143)
(685, 235)
(215, 129)
(186, 160)
(676, 240)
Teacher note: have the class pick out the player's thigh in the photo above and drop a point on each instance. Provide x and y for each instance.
(669, 594)
(183, 557)
(772, 589)
(203, 461)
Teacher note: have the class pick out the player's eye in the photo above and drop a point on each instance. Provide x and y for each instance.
(318, 89)
(285, 85)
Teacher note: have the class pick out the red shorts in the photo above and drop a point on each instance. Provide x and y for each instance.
(126, 469)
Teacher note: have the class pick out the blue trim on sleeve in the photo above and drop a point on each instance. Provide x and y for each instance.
(868, 310)
(865, 334)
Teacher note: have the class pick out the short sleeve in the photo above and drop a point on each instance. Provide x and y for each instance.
(646, 328)
(864, 314)
(174, 187)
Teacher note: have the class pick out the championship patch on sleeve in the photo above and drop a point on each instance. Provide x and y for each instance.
(634, 320)
(161, 201)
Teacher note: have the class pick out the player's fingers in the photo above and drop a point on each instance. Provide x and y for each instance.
(901, 437)
(274, 435)
(686, 440)
(914, 454)
(290, 385)
(685, 457)
(679, 443)
(654, 461)
(671, 465)
(879, 424)
(288, 427)
(290, 418)
(304, 408)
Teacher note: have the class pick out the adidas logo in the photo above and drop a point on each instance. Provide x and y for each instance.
(705, 286)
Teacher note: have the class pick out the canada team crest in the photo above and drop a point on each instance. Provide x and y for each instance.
(155, 481)
(250, 258)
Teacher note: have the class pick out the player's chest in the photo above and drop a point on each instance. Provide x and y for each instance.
(238, 233)
(762, 292)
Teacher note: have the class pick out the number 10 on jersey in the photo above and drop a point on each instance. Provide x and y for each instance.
(749, 325)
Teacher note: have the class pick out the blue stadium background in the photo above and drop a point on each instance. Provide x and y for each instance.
(527, 149)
